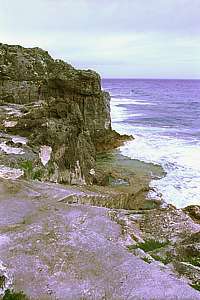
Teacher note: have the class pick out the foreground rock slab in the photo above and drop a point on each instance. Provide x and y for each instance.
(54, 250)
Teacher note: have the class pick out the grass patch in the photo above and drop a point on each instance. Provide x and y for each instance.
(151, 245)
(11, 295)
(30, 171)
(27, 165)
(131, 247)
(196, 286)
(164, 260)
(195, 261)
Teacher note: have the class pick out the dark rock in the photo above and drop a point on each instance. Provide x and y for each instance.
(110, 141)
(11, 143)
(65, 110)
(193, 211)
(2, 281)
(189, 249)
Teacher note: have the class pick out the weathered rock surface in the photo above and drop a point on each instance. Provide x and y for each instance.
(194, 212)
(107, 241)
(53, 250)
(64, 109)
(171, 237)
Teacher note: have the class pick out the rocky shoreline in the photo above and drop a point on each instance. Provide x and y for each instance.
(75, 219)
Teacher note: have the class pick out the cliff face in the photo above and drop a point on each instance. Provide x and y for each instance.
(66, 112)
(28, 75)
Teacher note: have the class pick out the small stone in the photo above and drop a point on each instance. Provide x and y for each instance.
(92, 172)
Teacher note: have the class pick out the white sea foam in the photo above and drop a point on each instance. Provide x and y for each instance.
(126, 101)
(119, 113)
(178, 157)
(181, 185)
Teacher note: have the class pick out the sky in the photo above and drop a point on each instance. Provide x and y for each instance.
(118, 39)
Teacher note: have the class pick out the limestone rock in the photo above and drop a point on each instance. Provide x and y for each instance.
(60, 251)
(63, 108)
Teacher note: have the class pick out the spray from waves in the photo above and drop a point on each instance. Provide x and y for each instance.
(125, 101)
(178, 157)
(181, 185)
(118, 113)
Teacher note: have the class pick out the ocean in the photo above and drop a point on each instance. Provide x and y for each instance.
(164, 118)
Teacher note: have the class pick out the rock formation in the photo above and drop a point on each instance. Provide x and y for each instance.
(63, 111)
(105, 241)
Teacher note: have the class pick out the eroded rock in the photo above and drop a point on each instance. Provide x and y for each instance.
(63, 108)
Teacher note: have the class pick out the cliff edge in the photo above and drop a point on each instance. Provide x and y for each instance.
(62, 112)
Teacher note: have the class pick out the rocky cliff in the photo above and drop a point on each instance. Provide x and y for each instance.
(106, 241)
(63, 112)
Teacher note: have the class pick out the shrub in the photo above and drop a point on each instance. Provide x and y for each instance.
(30, 171)
(195, 261)
(11, 295)
(151, 245)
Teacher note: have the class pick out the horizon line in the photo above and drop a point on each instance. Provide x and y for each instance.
(145, 78)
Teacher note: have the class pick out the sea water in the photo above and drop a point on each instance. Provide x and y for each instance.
(164, 118)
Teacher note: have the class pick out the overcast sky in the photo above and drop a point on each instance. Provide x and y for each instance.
(118, 38)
